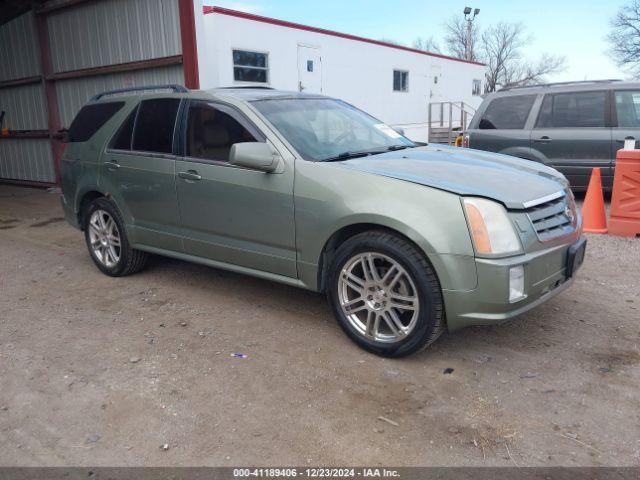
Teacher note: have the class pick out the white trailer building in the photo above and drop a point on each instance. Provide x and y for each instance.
(392, 82)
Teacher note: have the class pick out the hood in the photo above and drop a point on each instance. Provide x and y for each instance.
(510, 180)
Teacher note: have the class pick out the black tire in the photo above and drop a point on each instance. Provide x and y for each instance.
(430, 321)
(131, 260)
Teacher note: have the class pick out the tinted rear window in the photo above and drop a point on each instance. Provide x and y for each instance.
(122, 140)
(90, 118)
(154, 125)
(580, 109)
(507, 112)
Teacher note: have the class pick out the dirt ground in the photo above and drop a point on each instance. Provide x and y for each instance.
(101, 371)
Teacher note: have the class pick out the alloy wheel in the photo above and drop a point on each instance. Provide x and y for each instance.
(378, 297)
(104, 238)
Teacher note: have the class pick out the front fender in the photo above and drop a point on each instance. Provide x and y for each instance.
(329, 198)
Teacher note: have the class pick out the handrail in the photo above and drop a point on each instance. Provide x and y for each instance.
(175, 88)
(466, 112)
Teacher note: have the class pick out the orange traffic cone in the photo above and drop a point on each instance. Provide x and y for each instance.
(593, 213)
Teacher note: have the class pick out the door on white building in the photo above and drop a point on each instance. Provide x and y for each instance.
(438, 113)
(309, 69)
(436, 83)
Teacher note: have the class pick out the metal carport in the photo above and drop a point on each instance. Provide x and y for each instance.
(56, 54)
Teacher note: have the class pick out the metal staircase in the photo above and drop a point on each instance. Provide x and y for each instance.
(447, 120)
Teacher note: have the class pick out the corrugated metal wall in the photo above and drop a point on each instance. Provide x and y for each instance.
(99, 35)
(25, 159)
(24, 106)
(113, 31)
(19, 48)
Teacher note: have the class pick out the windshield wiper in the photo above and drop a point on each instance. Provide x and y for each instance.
(349, 155)
(363, 153)
(393, 148)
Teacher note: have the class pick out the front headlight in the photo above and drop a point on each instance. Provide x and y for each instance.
(490, 227)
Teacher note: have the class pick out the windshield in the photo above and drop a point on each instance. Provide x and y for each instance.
(327, 129)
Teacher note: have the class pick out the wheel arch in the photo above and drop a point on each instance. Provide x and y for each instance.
(345, 233)
(525, 153)
(84, 200)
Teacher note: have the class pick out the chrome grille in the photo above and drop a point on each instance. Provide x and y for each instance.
(555, 218)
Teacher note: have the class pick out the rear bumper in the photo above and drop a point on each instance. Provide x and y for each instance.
(69, 212)
(546, 275)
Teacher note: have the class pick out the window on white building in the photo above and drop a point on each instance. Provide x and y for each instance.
(476, 89)
(400, 81)
(250, 66)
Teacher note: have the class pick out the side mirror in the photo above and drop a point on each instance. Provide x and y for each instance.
(400, 130)
(254, 155)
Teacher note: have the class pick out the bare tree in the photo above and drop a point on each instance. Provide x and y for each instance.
(625, 37)
(501, 50)
(456, 38)
(526, 72)
(501, 44)
(500, 47)
(426, 44)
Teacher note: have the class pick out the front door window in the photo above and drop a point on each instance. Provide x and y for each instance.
(211, 132)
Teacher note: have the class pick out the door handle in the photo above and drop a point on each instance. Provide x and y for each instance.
(543, 139)
(112, 165)
(190, 175)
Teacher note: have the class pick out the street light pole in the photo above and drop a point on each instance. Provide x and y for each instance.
(469, 15)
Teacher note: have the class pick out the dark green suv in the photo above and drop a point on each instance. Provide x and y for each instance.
(307, 190)
(571, 127)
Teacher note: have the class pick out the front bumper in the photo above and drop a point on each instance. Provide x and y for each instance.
(547, 273)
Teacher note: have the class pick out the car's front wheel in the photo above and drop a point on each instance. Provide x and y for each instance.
(385, 294)
(107, 240)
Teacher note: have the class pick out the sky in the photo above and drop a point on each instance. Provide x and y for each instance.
(573, 28)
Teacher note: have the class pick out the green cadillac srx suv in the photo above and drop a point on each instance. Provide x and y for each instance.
(405, 239)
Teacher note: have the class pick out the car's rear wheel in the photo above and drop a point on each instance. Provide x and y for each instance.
(385, 294)
(107, 240)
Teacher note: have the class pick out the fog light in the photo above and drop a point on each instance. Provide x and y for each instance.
(516, 284)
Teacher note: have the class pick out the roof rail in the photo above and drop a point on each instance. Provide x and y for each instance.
(557, 84)
(173, 87)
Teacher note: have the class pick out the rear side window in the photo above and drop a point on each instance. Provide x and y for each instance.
(122, 140)
(90, 118)
(579, 109)
(154, 125)
(507, 113)
(628, 108)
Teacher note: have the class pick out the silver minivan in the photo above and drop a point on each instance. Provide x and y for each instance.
(571, 127)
